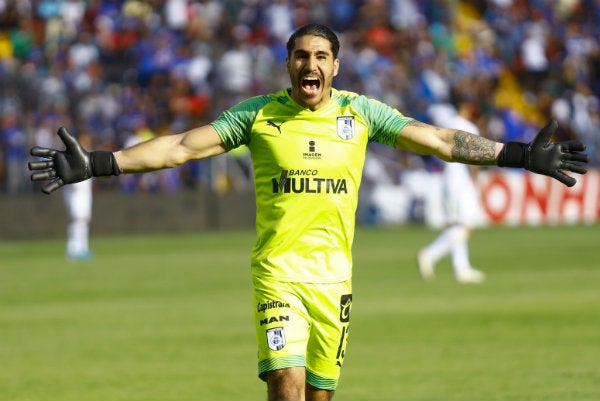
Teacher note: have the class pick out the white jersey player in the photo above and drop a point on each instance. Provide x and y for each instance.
(78, 199)
(461, 206)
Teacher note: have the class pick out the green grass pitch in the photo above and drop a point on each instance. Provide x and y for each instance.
(169, 318)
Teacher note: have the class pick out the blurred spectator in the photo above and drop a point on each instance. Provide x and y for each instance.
(234, 68)
(14, 151)
(83, 52)
(279, 19)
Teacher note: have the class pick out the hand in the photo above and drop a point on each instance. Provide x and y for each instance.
(63, 167)
(553, 158)
(544, 157)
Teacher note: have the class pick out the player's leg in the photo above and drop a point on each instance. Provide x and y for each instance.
(317, 394)
(290, 384)
(282, 330)
(77, 238)
(286, 384)
(468, 216)
(432, 253)
(452, 236)
(460, 248)
(463, 270)
(78, 198)
(329, 307)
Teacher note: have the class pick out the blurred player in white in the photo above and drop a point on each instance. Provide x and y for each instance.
(461, 205)
(78, 200)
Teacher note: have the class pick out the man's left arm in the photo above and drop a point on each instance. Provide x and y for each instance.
(541, 155)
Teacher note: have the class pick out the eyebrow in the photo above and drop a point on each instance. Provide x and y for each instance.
(318, 53)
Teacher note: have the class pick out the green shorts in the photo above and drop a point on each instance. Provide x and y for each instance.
(302, 324)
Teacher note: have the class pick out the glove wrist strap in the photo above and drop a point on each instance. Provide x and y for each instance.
(512, 155)
(103, 163)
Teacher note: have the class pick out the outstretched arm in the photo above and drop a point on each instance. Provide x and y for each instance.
(448, 144)
(76, 164)
(540, 156)
(170, 150)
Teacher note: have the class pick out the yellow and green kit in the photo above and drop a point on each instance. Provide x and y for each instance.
(307, 171)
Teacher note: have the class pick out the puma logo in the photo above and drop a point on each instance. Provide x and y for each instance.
(270, 123)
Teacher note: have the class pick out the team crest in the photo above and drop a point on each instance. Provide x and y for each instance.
(345, 127)
(276, 338)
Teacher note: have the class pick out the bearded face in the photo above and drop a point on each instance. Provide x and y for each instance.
(312, 66)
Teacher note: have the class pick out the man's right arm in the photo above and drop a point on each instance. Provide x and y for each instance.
(170, 150)
(75, 163)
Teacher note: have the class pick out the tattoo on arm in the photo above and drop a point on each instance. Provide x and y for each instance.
(473, 149)
(417, 123)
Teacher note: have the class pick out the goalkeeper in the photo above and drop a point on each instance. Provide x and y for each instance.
(308, 145)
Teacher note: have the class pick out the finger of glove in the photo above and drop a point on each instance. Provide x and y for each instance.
(543, 137)
(576, 157)
(69, 140)
(564, 178)
(572, 146)
(42, 152)
(576, 168)
(43, 175)
(41, 165)
(52, 186)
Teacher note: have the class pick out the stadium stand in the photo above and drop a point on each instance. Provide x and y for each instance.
(127, 70)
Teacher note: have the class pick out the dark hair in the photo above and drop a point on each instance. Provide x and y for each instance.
(315, 30)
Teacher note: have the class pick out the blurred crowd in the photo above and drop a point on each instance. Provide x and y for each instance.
(117, 72)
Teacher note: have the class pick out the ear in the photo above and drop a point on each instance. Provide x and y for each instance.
(287, 64)
(336, 66)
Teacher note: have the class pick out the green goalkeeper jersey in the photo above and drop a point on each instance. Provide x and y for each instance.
(307, 171)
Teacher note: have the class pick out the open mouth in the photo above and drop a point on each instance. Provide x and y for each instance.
(311, 85)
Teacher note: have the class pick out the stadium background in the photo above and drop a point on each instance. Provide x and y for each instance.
(125, 71)
(162, 317)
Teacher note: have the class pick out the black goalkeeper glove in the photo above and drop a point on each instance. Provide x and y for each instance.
(544, 157)
(72, 165)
